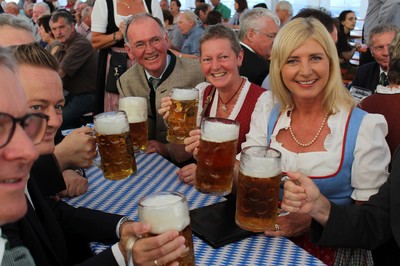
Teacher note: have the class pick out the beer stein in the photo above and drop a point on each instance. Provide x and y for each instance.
(136, 110)
(258, 188)
(115, 146)
(166, 211)
(216, 156)
(182, 115)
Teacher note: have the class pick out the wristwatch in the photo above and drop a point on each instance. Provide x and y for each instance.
(80, 172)
(125, 219)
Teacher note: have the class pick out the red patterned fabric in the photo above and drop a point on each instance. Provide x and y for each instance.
(325, 254)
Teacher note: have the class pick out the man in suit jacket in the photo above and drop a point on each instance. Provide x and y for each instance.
(257, 32)
(369, 226)
(17, 151)
(368, 75)
(147, 42)
(54, 232)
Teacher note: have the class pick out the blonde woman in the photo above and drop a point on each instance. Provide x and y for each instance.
(318, 130)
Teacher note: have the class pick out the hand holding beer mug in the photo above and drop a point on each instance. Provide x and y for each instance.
(136, 110)
(216, 156)
(166, 211)
(182, 115)
(115, 146)
(258, 188)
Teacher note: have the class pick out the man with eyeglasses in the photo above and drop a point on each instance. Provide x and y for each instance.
(257, 31)
(56, 233)
(157, 71)
(369, 75)
(19, 131)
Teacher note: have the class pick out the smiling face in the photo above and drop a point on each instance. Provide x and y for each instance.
(43, 90)
(148, 45)
(17, 157)
(220, 64)
(306, 72)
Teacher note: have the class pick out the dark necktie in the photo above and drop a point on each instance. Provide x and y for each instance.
(383, 79)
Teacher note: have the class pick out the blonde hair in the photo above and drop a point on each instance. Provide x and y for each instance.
(291, 37)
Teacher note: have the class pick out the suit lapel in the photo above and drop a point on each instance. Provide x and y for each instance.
(38, 218)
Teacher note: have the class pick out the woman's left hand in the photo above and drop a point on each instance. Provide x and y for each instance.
(293, 224)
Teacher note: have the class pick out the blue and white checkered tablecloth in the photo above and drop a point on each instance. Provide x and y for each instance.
(157, 174)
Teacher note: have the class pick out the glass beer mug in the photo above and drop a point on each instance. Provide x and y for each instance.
(115, 146)
(136, 110)
(166, 211)
(258, 188)
(216, 156)
(183, 114)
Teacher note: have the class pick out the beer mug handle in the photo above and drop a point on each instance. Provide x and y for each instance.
(280, 211)
(128, 247)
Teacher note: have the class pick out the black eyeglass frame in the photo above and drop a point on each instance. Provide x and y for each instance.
(22, 122)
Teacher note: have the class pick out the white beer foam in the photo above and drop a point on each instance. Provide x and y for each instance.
(135, 116)
(260, 167)
(184, 94)
(162, 218)
(219, 132)
(111, 123)
(132, 103)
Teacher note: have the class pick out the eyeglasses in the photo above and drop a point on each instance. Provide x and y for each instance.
(34, 126)
(270, 36)
(152, 42)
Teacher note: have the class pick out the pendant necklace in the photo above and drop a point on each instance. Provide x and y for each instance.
(125, 4)
(314, 139)
(224, 106)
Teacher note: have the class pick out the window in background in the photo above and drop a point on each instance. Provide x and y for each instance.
(334, 6)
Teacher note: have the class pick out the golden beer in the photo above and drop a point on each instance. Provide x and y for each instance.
(166, 211)
(216, 156)
(114, 144)
(258, 189)
(139, 136)
(183, 114)
(136, 111)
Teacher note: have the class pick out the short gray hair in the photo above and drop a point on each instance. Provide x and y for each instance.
(7, 59)
(140, 17)
(252, 20)
(220, 31)
(383, 28)
(286, 5)
(43, 5)
(16, 23)
(190, 16)
(86, 11)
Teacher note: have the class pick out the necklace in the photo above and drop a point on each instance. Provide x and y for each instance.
(224, 106)
(314, 139)
(125, 4)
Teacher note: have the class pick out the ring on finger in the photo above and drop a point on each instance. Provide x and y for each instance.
(277, 228)
(155, 263)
